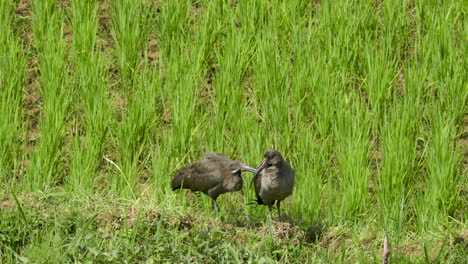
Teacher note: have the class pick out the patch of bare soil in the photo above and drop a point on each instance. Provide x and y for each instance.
(31, 104)
(284, 231)
(462, 239)
(23, 8)
(105, 19)
(153, 50)
(119, 101)
(23, 198)
(8, 204)
(464, 146)
(411, 13)
(104, 36)
(67, 36)
(412, 250)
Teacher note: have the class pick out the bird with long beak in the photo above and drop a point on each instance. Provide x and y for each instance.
(274, 180)
(213, 176)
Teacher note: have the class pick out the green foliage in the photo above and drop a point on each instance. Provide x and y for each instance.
(130, 31)
(91, 81)
(366, 99)
(46, 162)
(12, 79)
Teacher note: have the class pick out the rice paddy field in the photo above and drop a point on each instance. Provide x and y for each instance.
(102, 101)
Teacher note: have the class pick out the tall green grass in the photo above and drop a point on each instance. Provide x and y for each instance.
(397, 171)
(172, 31)
(46, 168)
(352, 132)
(182, 66)
(365, 99)
(133, 134)
(310, 128)
(440, 46)
(442, 196)
(271, 90)
(12, 79)
(230, 96)
(91, 82)
(130, 31)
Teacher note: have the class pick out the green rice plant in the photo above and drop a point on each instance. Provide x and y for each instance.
(84, 25)
(172, 29)
(311, 167)
(133, 133)
(12, 79)
(339, 33)
(396, 29)
(352, 130)
(343, 32)
(182, 80)
(441, 198)
(312, 122)
(230, 100)
(271, 89)
(184, 62)
(205, 39)
(252, 16)
(305, 73)
(337, 37)
(381, 74)
(443, 52)
(89, 76)
(180, 87)
(130, 32)
(207, 33)
(247, 134)
(173, 25)
(282, 82)
(396, 174)
(45, 169)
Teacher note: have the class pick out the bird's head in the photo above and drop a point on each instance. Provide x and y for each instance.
(271, 158)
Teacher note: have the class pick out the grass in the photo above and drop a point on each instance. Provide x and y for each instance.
(92, 122)
(366, 99)
(12, 79)
(47, 168)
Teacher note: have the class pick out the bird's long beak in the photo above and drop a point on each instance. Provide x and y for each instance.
(245, 167)
(259, 169)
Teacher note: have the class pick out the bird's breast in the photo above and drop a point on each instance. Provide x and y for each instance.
(233, 183)
(275, 185)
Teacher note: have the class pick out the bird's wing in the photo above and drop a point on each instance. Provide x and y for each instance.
(258, 187)
(199, 176)
(216, 157)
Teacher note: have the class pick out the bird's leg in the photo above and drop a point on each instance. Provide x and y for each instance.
(214, 205)
(270, 208)
(279, 211)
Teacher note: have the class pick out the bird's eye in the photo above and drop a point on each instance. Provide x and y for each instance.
(269, 164)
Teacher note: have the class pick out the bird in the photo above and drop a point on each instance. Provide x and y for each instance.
(213, 176)
(274, 180)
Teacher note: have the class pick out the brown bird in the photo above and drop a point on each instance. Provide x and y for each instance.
(214, 175)
(274, 180)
